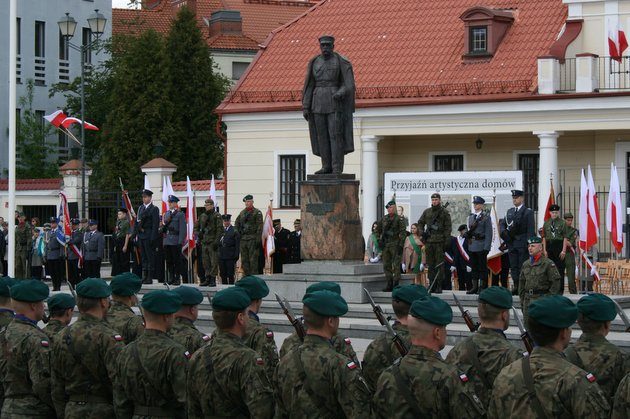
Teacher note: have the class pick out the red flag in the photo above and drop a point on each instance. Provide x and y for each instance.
(593, 211)
(614, 211)
(191, 217)
(56, 118)
(550, 201)
(617, 42)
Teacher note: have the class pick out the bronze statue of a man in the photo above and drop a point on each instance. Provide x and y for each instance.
(328, 104)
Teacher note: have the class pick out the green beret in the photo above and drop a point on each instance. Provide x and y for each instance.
(231, 299)
(534, 239)
(324, 285)
(567, 215)
(248, 198)
(30, 291)
(191, 296)
(94, 288)
(326, 303)
(497, 296)
(433, 310)
(390, 204)
(126, 284)
(61, 301)
(5, 286)
(161, 302)
(409, 293)
(598, 307)
(256, 287)
(553, 311)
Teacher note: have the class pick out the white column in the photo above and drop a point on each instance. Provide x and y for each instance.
(548, 167)
(369, 179)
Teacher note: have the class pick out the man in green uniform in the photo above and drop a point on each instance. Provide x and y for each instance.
(6, 308)
(545, 384)
(121, 236)
(572, 251)
(208, 228)
(23, 238)
(555, 234)
(314, 380)
(257, 336)
(249, 224)
(120, 316)
(227, 378)
(593, 352)
(60, 311)
(151, 370)
(484, 354)
(382, 352)
(621, 408)
(422, 384)
(539, 276)
(184, 331)
(84, 356)
(391, 234)
(435, 226)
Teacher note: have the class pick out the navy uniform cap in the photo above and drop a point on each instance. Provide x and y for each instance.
(462, 227)
(226, 217)
(75, 221)
(517, 192)
(478, 200)
(173, 198)
(54, 219)
(147, 192)
(93, 222)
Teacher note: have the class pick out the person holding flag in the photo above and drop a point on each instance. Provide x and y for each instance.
(555, 234)
(55, 254)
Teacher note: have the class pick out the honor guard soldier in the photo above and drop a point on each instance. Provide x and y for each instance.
(151, 371)
(209, 229)
(281, 244)
(435, 227)
(461, 260)
(391, 234)
(422, 384)
(121, 236)
(120, 316)
(249, 225)
(146, 230)
(572, 251)
(226, 377)
(544, 384)
(175, 229)
(75, 242)
(55, 256)
(479, 237)
(60, 311)
(23, 238)
(229, 242)
(295, 245)
(93, 250)
(555, 234)
(184, 331)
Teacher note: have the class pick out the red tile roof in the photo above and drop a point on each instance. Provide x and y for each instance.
(405, 54)
(199, 185)
(232, 42)
(32, 184)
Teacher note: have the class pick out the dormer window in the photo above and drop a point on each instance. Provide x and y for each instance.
(478, 40)
(484, 30)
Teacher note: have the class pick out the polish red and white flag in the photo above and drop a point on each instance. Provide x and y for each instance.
(71, 120)
(614, 211)
(617, 41)
(56, 118)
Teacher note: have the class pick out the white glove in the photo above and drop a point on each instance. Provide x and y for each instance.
(453, 269)
(468, 269)
(577, 271)
(374, 259)
(404, 267)
(421, 267)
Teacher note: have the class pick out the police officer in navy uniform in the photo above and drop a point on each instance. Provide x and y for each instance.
(229, 247)
(93, 250)
(479, 242)
(175, 229)
(55, 256)
(146, 230)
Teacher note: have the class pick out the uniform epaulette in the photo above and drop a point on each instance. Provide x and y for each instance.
(351, 365)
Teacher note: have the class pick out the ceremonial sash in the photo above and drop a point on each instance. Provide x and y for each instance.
(416, 248)
(448, 258)
(375, 243)
(462, 251)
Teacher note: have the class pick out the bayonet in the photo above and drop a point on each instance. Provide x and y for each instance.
(525, 337)
(380, 316)
(623, 315)
(472, 326)
(293, 319)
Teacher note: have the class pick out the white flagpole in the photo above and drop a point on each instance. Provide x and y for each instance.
(12, 131)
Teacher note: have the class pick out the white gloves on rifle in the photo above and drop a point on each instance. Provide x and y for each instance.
(468, 269)
(375, 259)
(421, 268)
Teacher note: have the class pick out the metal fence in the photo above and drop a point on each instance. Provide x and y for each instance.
(611, 74)
(567, 75)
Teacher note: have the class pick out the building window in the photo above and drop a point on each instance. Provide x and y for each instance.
(448, 163)
(19, 36)
(238, 68)
(292, 173)
(529, 163)
(87, 52)
(39, 118)
(478, 39)
(40, 39)
(63, 146)
(64, 48)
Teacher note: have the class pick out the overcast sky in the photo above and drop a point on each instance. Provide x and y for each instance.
(120, 3)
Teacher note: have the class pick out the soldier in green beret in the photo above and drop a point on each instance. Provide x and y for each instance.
(435, 227)
(209, 227)
(593, 352)
(122, 246)
(484, 354)
(571, 252)
(184, 331)
(60, 310)
(6, 309)
(381, 352)
(545, 384)
(120, 316)
(23, 239)
(249, 225)
(422, 384)
(151, 370)
(84, 356)
(555, 235)
(621, 408)
(314, 380)
(227, 378)
(391, 234)
(539, 276)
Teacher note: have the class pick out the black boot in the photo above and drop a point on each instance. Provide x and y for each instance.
(212, 282)
(148, 278)
(474, 289)
(389, 286)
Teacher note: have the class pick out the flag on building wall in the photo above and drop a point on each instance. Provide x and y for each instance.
(617, 41)
(268, 233)
(550, 201)
(614, 211)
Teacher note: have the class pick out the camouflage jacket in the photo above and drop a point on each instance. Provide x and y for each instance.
(27, 376)
(555, 230)
(492, 352)
(186, 334)
(6, 316)
(23, 237)
(249, 225)
(151, 372)
(621, 408)
(438, 388)
(595, 354)
(438, 224)
(381, 354)
(261, 339)
(340, 344)
(537, 279)
(122, 319)
(209, 227)
(564, 390)
(391, 231)
(52, 328)
(316, 381)
(228, 379)
(122, 229)
(83, 366)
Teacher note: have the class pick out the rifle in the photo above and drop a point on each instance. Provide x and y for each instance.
(380, 316)
(288, 311)
(525, 337)
(623, 315)
(437, 274)
(472, 326)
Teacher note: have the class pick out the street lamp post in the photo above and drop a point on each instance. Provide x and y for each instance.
(67, 26)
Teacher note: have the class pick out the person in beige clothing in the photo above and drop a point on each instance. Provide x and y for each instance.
(413, 259)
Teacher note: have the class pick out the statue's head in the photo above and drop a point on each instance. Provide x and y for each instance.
(326, 45)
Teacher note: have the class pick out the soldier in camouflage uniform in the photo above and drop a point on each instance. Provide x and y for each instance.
(555, 235)
(539, 276)
(6, 309)
(593, 352)
(314, 380)
(249, 224)
(226, 378)
(120, 316)
(382, 352)
(184, 331)
(436, 236)
(60, 309)
(209, 227)
(545, 384)
(122, 245)
(84, 356)
(23, 238)
(484, 354)
(569, 260)
(422, 384)
(392, 233)
(621, 408)
(26, 351)
(151, 370)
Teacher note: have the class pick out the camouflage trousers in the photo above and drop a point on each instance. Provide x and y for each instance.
(569, 265)
(392, 256)
(435, 256)
(210, 259)
(250, 253)
(21, 264)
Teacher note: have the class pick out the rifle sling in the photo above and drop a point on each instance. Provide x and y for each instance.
(528, 378)
(149, 379)
(210, 370)
(403, 388)
(320, 401)
(573, 357)
(474, 358)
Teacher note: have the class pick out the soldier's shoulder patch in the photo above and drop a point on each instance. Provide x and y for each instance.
(348, 341)
(269, 334)
(591, 378)
(118, 338)
(206, 338)
(187, 355)
(45, 343)
(259, 361)
(351, 365)
(463, 377)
